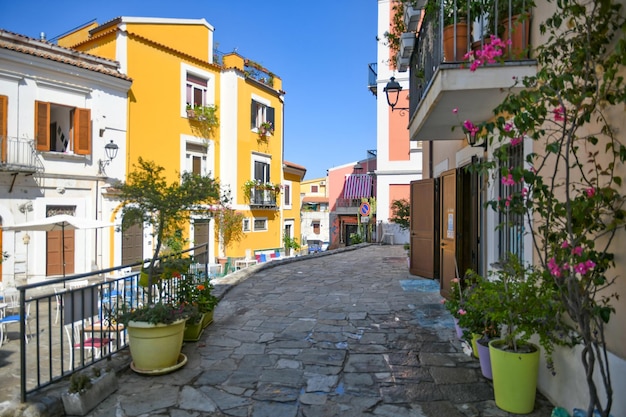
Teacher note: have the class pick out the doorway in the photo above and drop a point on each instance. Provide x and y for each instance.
(132, 244)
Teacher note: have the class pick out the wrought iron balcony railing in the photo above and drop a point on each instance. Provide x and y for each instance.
(262, 198)
(19, 155)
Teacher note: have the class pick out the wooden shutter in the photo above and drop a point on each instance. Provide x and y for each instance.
(4, 100)
(269, 116)
(82, 131)
(42, 125)
(253, 111)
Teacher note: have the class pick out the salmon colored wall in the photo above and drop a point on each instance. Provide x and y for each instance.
(336, 181)
(398, 192)
(399, 149)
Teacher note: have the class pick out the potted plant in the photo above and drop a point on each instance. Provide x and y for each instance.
(265, 130)
(204, 119)
(159, 323)
(290, 244)
(198, 294)
(455, 304)
(87, 390)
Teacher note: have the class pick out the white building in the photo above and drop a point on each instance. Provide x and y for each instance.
(58, 110)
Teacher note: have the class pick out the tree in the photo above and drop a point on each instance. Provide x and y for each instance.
(401, 213)
(149, 199)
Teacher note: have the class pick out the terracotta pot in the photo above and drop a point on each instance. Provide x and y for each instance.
(451, 54)
(519, 33)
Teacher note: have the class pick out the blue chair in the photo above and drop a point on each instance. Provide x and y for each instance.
(14, 318)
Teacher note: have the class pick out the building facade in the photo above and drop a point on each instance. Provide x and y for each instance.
(315, 214)
(457, 233)
(59, 109)
(244, 150)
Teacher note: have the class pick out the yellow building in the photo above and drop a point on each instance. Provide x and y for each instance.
(177, 77)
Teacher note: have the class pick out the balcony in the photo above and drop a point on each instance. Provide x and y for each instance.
(372, 78)
(440, 79)
(18, 155)
(261, 198)
(348, 206)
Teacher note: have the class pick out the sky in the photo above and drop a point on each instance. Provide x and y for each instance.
(319, 49)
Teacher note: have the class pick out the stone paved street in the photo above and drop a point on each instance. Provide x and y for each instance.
(349, 333)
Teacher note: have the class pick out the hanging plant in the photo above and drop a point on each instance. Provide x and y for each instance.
(265, 130)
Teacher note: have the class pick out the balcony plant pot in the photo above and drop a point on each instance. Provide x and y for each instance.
(82, 402)
(484, 358)
(514, 376)
(155, 348)
(475, 337)
(451, 54)
(193, 331)
(518, 31)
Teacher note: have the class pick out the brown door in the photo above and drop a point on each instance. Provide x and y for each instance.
(201, 237)
(59, 248)
(422, 228)
(448, 232)
(132, 245)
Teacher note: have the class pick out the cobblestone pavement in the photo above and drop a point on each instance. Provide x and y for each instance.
(344, 333)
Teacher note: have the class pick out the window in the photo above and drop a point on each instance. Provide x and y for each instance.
(511, 231)
(316, 227)
(260, 224)
(246, 224)
(62, 129)
(196, 159)
(260, 113)
(314, 189)
(196, 90)
(261, 171)
(287, 194)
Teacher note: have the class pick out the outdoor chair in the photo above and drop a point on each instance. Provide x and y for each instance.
(90, 342)
(14, 318)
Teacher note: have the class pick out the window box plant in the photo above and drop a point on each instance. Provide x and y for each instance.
(87, 390)
(265, 130)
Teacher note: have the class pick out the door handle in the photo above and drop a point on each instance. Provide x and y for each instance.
(443, 244)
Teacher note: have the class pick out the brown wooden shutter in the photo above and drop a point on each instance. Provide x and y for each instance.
(4, 101)
(42, 125)
(82, 131)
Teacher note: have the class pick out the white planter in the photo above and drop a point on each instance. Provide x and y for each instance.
(407, 42)
(412, 17)
(81, 403)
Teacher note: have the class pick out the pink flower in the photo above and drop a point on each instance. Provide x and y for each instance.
(524, 192)
(559, 114)
(508, 127)
(581, 268)
(508, 180)
(590, 192)
(590, 264)
(462, 312)
(454, 280)
(455, 110)
(516, 141)
(564, 244)
(469, 127)
(578, 251)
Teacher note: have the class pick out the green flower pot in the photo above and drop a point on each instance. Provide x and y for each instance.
(514, 377)
(475, 337)
(155, 346)
(194, 330)
(207, 319)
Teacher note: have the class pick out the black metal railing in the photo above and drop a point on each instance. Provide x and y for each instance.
(19, 154)
(262, 197)
(372, 77)
(70, 323)
(454, 29)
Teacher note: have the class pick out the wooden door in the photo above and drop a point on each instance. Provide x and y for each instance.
(201, 237)
(58, 248)
(448, 231)
(422, 229)
(132, 245)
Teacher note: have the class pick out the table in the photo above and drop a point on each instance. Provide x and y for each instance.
(97, 330)
(244, 263)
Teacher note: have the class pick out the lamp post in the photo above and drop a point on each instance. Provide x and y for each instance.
(110, 150)
(392, 91)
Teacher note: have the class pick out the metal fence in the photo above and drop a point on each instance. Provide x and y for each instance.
(70, 323)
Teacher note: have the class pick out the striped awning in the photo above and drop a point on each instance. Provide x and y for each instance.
(358, 186)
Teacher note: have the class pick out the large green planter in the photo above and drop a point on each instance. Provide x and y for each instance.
(194, 330)
(208, 319)
(514, 378)
(155, 348)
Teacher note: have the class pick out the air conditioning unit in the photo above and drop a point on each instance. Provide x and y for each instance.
(322, 182)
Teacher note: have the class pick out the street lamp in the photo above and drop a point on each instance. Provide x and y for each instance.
(110, 150)
(471, 139)
(392, 91)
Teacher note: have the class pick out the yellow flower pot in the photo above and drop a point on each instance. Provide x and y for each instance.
(155, 346)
